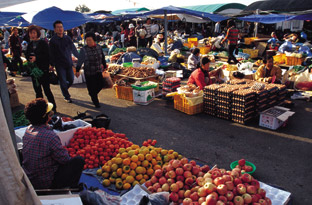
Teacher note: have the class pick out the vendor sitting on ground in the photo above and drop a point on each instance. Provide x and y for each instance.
(269, 72)
(193, 60)
(129, 55)
(45, 161)
(202, 77)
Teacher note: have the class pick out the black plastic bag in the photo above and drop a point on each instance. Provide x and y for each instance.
(101, 120)
(53, 79)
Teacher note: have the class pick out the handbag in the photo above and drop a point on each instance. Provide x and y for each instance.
(107, 80)
(53, 79)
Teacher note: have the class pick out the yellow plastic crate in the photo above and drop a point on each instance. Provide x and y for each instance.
(182, 104)
(280, 59)
(204, 50)
(249, 40)
(252, 52)
(193, 41)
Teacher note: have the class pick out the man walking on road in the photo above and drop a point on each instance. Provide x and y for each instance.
(61, 50)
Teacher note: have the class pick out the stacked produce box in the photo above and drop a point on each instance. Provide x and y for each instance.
(272, 94)
(170, 85)
(224, 101)
(282, 92)
(210, 98)
(243, 105)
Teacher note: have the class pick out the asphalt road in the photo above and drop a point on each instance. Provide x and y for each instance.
(283, 157)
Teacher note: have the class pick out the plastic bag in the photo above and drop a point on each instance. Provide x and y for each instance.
(305, 50)
(53, 79)
(159, 198)
(107, 80)
(287, 46)
(98, 197)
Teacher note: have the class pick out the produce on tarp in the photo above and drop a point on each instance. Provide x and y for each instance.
(149, 142)
(96, 145)
(134, 165)
(189, 183)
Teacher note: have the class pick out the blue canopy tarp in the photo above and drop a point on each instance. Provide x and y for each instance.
(98, 17)
(178, 10)
(129, 11)
(267, 19)
(18, 22)
(70, 19)
(303, 17)
(7, 16)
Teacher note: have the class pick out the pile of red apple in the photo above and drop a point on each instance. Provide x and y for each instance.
(149, 142)
(189, 183)
(242, 165)
(179, 178)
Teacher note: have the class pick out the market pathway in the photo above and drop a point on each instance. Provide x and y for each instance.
(282, 157)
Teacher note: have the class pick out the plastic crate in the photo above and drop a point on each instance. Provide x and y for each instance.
(193, 41)
(253, 53)
(182, 104)
(123, 92)
(204, 50)
(280, 59)
(290, 60)
(249, 40)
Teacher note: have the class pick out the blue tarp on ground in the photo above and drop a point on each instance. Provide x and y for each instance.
(178, 10)
(70, 19)
(267, 19)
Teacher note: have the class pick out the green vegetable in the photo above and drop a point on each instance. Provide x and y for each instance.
(35, 72)
(118, 50)
(19, 119)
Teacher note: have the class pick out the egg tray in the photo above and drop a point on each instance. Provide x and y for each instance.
(222, 99)
(262, 107)
(281, 98)
(244, 115)
(213, 87)
(243, 109)
(169, 90)
(237, 81)
(165, 84)
(272, 103)
(209, 112)
(272, 97)
(243, 103)
(282, 92)
(242, 120)
(223, 116)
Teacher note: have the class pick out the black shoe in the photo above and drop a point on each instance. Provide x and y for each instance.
(97, 105)
(68, 100)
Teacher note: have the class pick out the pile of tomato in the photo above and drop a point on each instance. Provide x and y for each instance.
(96, 145)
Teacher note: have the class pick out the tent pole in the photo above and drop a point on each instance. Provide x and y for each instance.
(4, 94)
(166, 31)
(256, 27)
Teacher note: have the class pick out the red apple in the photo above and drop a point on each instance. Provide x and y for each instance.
(227, 177)
(223, 198)
(211, 200)
(238, 200)
(176, 163)
(169, 167)
(205, 168)
(210, 187)
(187, 193)
(174, 187)
(262, 202)
(200, 181)
(248, 168)
(215, 174)
(156, 186)
(174, 196)
(184, 160)
(195, 189)
(162, 180)
(219, 180)
(229, 195)
(194, 196)
(187, 174)
(186, 187)
(201, 200)
(193, 163)
(187, 167)
(165, 187)
(241, 189)
(237, 169)
(200, 174)
(237, 181)
(181, 193)
(187, 201)
(170, 181)
(220, 203)
(202, 192)
(172, 174)
(148, 183)
(268, 201)
(251, 189)
(179, 171)
(255, 183)
(247, 198)
(151, 189)
(180, 178)
(235, 191)
(254, 198)
(235, 174)
(241, 162)
(159, 190)
(154, 179)
(158, 173)
(207, 175)
(222, 189)
(246, 177)
(189, 181)
(167, 175)
(229, 185)
(195, 170)
(180, 184)
(262, 192)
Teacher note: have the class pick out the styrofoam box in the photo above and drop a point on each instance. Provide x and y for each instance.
(274, 117)
(133, 196)
(65, 136)
(277, 196)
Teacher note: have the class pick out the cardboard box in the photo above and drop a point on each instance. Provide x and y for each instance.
(143, 97)
(14, 101)
(274, 117)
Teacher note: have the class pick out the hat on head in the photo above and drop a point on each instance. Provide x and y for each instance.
(50, 107)
(131, 25)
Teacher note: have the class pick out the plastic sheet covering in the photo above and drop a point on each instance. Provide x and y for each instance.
(15, 185)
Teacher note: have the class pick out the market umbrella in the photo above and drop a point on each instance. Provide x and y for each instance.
(7, 16)
(17, 22)
(70, 19)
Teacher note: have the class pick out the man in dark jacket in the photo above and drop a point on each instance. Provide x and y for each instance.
(61, 50)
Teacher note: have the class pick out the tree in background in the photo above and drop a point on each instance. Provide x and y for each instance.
(82, 8)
